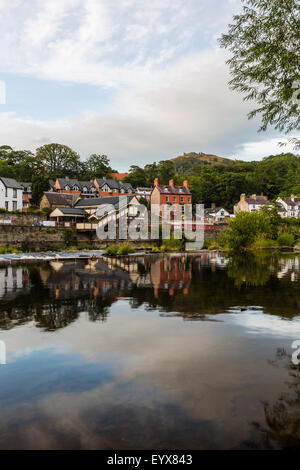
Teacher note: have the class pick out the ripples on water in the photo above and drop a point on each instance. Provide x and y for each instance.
(189, 352)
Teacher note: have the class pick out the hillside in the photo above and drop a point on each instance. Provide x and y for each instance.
(189, 160)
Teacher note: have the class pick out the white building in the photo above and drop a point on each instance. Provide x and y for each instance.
(216, 214)
(289, 207)
(143, 192)
(11, 194)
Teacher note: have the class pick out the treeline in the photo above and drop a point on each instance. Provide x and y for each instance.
(49, 162)
(222, 184)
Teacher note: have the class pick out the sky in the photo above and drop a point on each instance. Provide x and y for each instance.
(137, 81)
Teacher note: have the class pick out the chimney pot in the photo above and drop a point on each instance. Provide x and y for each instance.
(213, 205)
(253, 196)
(171, 183)
(156, 182)
(186, 184)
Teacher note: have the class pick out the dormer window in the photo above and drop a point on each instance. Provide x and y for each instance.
(67, 188)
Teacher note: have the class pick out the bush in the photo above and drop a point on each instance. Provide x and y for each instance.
(112, 250)
(69, 237)
(262, 242)
(125, 249)
(172, 244)
(286, 239)
(246, 228)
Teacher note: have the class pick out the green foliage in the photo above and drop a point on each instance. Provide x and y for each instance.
(246, 228)
(69, 236)
(112, 250)
(263, 242)
(172, 244)
(286, 239)
(125, 249)
(264, 42)
(57, 160)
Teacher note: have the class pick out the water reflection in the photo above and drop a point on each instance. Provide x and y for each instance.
(99, 357)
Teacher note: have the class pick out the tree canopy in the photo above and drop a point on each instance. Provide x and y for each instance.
(264, 42)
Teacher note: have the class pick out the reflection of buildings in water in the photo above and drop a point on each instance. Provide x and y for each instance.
(13, 281)
(70, 279)
(289, 268)
(171, 273)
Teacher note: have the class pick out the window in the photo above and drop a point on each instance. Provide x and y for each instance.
(6, 193)
(189, 199)
(174, 199)
(67, 188)
(167, 198)
(181, 199)
(6, 205)
(15, 193)
(15, 205)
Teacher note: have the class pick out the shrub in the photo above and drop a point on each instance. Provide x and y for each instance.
(69, 237)
(112, 250)
(262, 242)
(286, 239)
(172, 244)
(247, 227)
(125, 249)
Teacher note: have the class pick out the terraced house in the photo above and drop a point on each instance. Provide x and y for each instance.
(171, 194)
(94, 188)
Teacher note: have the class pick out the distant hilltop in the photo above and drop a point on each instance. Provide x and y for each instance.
(203, 157)
(187, 161)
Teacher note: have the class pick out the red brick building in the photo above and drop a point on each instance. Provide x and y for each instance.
(171, 194)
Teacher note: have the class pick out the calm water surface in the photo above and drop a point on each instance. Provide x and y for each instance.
(151, 353)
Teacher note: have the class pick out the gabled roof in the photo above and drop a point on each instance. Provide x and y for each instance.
(214, 210)
(180, 190)
(71, 211)
(61, 199)
(289, 202)
(259, 201)
(26, 186)
(63, 182)
(112, 184)
(99, 201)
(10, 183)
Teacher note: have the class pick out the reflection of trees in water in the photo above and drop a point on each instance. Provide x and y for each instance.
(281, 429)
(251, 269)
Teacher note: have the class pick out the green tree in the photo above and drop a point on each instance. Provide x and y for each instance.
(264, 41)
(97, 166)
(245, 228)
(40, 183)
(58, 160)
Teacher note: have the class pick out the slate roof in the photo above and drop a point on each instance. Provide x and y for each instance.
(99, 201)
(214, 210)
(289, 202)
(61, 199)
(166, 189)
(63, 182)
(26, 186)
(259, 201)
(112, 184)
(72, 211)
(11, 183)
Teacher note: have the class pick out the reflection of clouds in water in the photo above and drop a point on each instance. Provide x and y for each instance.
(168, 375)
(256, 322)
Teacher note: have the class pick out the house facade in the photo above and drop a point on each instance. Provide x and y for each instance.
(215, 214)
(27, 194)
(143, 192)
(89, 189)
(11, 194)
(250, 204)
(171, 194)
(289, 207)
(52, 200)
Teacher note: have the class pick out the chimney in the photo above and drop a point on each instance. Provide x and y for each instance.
(265, 197)
(171, 183)
(213, 205)
(67, 178)
(156, 182)
(293, 197)
(243, 197)
(186, 184)
(253, 196)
